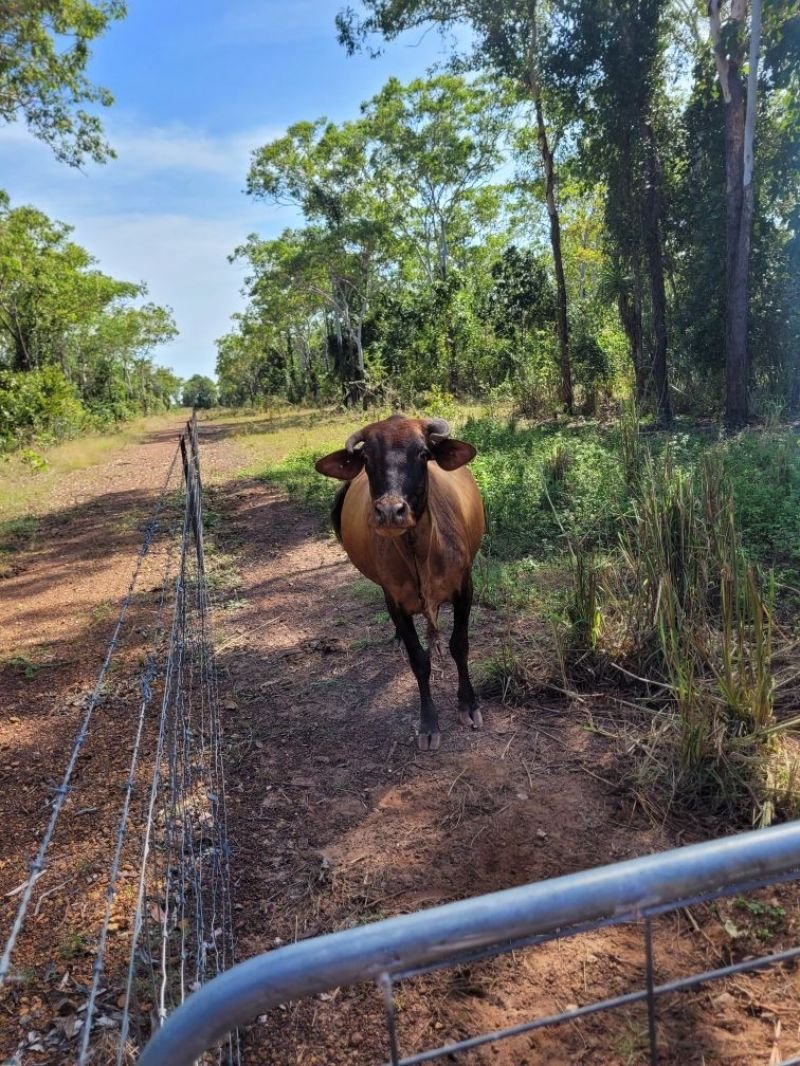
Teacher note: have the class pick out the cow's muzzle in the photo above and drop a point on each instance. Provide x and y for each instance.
(391, 515)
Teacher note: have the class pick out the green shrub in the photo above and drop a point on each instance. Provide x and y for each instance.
(38, 404)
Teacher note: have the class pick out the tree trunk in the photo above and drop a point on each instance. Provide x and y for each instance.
(654, 245)
(740, 111)
(738, 255)
(562, 321)
(630, 313)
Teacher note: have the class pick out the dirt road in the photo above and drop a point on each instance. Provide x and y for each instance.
(335, 818)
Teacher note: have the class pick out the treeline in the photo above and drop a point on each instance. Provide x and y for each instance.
(75, 344)
(600, 198)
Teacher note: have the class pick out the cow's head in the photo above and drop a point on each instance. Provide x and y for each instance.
(395, 454)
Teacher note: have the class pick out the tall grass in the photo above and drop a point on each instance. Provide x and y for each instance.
(684, 610)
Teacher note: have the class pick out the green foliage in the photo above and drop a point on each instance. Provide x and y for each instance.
(681, 607)
(38, 404)
(199, 391)
(42, 76)
(74, 343)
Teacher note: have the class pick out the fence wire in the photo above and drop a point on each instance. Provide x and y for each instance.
(171, 825)
(37, 866)
(183, 925)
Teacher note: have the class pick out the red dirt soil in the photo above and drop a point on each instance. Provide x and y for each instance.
(334, 816)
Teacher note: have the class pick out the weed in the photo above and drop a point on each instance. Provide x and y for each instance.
(23, 665)
(72, 946)
(501, 675)
(583, 608)
(366, 591)
(765, 920)
(101, 612)
(369, 642)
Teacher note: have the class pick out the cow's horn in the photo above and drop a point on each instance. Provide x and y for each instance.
(437, 429)
(354, 439)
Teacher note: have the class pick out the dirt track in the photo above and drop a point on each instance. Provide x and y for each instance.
(335, 818)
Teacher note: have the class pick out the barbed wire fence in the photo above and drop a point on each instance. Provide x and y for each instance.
(171, 827)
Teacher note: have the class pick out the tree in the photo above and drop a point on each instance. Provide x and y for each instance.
(44, 51)
(433, 148)
(729, 39)
(199, 391)
(323, 169)
(509, 43)
(607, 60)
(57, 310)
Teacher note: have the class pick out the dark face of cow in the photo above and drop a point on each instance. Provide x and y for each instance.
(395, 454)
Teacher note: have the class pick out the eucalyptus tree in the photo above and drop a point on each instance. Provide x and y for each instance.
(608, 61)
(44, 52)
(435, 147)
(323, 169)
(508, 42)
(728, 23)
(738, 336)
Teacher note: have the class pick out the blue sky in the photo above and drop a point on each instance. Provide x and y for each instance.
(197, 86)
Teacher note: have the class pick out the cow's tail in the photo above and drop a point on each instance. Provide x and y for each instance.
(336, 510)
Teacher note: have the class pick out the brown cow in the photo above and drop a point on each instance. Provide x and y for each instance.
(410, 517)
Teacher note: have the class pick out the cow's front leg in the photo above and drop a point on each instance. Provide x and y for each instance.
(428, 737)
(459, 648)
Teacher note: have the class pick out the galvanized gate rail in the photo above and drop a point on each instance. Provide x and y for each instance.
(398, 948)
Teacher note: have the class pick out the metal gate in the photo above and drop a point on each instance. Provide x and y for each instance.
(390, 951)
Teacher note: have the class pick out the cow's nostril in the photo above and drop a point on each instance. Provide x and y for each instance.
(391, 510)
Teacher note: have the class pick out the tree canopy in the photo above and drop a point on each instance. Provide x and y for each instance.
(559, 216)
(44, 52)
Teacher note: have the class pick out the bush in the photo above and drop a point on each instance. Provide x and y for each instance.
(38, 404)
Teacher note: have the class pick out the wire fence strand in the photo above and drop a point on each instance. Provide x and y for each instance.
(171, 821)
(38, 864)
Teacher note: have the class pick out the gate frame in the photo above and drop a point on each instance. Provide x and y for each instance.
(491, 924)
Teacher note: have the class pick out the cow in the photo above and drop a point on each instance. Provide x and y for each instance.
(410, 517)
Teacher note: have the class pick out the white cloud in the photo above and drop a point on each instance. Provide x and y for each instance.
(176, 147)
(183, 261)
(274, 21)
(149, 150)
(168, 211)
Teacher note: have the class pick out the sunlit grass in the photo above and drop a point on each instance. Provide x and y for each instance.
(267, 438)
(27, 479)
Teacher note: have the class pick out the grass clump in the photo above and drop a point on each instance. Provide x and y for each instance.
(683, 610)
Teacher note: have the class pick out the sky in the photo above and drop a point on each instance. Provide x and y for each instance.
(197, 87)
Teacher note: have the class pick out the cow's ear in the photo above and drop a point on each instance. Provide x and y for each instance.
(451, 454)
(343, 464)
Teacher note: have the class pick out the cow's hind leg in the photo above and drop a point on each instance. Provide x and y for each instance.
(428, 737)
(459, 648)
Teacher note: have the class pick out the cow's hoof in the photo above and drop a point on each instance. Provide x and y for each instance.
(429, 741)
(471, 719)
